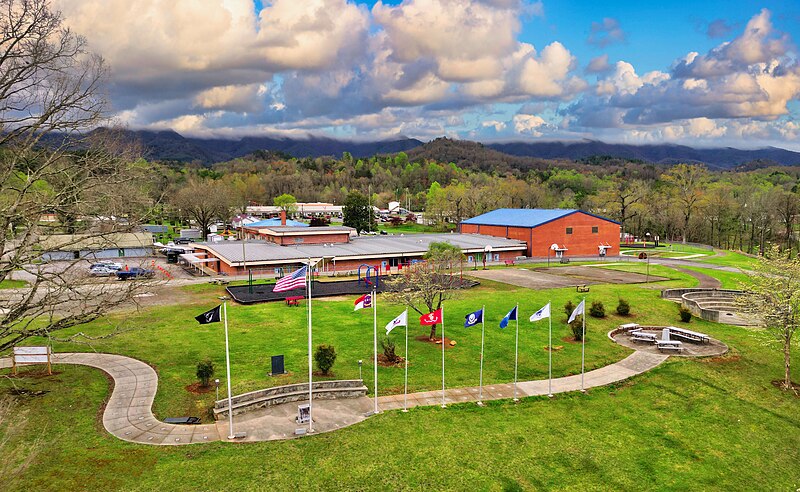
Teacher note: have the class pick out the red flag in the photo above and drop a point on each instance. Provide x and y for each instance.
(434, 318)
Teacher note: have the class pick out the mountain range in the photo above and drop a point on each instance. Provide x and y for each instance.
(171, 146)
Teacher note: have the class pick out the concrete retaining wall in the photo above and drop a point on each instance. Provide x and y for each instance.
(323, 390)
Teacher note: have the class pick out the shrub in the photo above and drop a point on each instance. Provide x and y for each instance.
(388, 346)
(577, 328)
(623, 308)
(686, 315)
(568, 308)
(325, 357)
(205, 371)
(597, 310)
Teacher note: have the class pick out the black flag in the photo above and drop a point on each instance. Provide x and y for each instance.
(212, 316)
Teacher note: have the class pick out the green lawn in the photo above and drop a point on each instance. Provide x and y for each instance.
(732, 259)
(410, 228)
(12, 284)
(730, 280)
(713, 424)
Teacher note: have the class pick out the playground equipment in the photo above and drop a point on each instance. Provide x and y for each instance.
(376, 275)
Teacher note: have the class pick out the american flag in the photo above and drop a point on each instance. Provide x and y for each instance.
(293, 281)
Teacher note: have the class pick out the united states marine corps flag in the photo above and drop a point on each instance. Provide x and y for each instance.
(211, 316)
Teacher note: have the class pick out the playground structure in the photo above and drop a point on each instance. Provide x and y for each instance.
(376, 275)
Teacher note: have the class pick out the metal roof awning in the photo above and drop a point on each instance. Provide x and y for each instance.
(193, 258)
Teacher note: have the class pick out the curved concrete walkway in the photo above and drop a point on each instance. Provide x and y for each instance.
(128, 414)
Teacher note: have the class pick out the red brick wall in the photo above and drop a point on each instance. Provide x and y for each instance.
(582, 242)
(320, 239)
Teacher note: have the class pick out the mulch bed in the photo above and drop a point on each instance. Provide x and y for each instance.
(198, 389)
(383, 361)
(778, 383)
(435, 341)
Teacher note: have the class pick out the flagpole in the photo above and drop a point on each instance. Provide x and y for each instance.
(483, 330)
(310, 362)
(583, 345)
(516, 353)
(443, 403)
(550, 354)
(405, 393)
(375, 344)
(228, 369)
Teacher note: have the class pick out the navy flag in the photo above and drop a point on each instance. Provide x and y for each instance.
(212, 316)
(473, 319)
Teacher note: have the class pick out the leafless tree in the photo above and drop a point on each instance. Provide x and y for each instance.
(425, 286)
(204, 201)
(52, 164)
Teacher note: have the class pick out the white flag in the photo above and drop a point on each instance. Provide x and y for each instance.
(578, 311)
(541, 314)
(401, 320)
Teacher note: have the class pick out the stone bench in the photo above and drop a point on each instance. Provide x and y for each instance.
(322, 390)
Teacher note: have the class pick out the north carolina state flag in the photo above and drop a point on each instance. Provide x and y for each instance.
(434, 318)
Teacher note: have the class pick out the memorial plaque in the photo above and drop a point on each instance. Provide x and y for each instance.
(277, 365)
(303, 414)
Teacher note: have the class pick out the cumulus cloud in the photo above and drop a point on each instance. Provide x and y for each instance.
(718, 28)
(598, 64)
(422, 68)
(750, 77)
(528, 123)
(606, 32)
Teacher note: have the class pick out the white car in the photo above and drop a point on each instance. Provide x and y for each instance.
(106, 264)
(102, 271)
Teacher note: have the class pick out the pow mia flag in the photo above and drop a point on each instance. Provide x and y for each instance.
(211, 316)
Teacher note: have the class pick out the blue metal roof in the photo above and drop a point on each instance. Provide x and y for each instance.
(524, 217)
(276, 222)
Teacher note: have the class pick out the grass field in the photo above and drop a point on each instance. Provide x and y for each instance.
(731, 259)
(410, 228)
(12, 284)
(713, 424)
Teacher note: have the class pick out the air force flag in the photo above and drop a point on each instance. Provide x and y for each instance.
(473, 319)
(541, 314)
(511, 316)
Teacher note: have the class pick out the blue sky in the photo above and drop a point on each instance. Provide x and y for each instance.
(700, 73)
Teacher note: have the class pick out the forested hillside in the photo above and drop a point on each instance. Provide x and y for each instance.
(732, 209)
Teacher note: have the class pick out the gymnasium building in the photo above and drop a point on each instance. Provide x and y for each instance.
(550, 232)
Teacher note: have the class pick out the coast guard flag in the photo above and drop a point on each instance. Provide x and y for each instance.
(363, 302)
(541, 314)
(293, 281)
(512, 315)
(401, 320)
(578, 311)
(473, 319)
(211, 316)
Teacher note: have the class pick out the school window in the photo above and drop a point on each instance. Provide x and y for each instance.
(594, 230)
(569, 230)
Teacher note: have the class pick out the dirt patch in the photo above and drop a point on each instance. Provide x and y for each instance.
(198, 389)
(570, 340)
(724, 359)
(321, 375)
(435, 341)
(26, 392)
(33, 375)
(778, 383)
(385, 362)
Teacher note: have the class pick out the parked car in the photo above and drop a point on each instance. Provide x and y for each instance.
(102, 271)
(135, 273)
(106, 264)
(183, 240)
